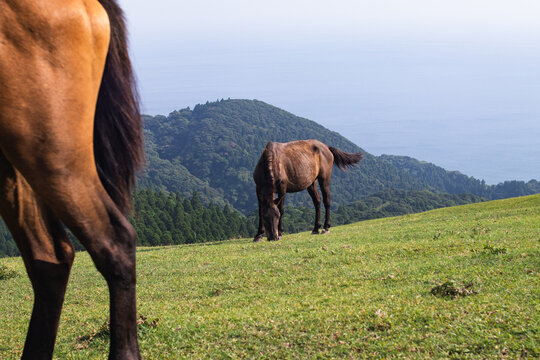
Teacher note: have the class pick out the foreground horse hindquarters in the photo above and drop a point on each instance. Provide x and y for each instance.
(70, 144)
(292, 167)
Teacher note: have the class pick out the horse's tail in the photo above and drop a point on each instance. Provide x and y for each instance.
(345, 160)
(118, 141)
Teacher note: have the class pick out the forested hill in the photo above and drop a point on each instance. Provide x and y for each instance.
(213, 149)
(453, 182)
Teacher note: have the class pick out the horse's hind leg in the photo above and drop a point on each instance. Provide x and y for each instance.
(281, 208)
(79, 200)
(47, 253)
(325, 189)
(260, 228)
(312, 190)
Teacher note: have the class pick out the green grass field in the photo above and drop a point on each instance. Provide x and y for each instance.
(458, 283)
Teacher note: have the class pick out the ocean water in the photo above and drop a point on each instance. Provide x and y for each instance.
(475, 109)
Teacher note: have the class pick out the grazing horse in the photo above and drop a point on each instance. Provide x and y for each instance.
(292, 167)
(70, 145)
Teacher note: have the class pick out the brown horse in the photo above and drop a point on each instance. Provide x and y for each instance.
(292, 167)
(70, 144)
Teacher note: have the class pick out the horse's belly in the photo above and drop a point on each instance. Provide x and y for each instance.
(301, 175)
(296, 187)
(293, 189)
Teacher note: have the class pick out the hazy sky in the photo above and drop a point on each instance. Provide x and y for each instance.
(456, 83)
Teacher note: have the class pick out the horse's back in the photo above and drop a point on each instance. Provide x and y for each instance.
(303, 152)
(301, 162)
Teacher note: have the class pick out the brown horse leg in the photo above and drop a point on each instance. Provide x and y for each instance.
(111, 242)
(112, 248)
(325, 189)
(68, 183)
(260, 230)
(84, 206)
(47, 253)
(281, 207)
(312, 190)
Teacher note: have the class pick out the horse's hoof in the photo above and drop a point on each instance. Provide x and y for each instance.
(257, 238)
(325, 231)
(315, 232)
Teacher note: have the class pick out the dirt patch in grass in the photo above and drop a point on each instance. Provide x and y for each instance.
(6, 273)
(449, 290)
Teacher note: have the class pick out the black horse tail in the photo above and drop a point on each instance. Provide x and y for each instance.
(345, 160)
(118, 140)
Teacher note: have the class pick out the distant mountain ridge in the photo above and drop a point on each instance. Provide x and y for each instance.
(213, 149)
(453, 182)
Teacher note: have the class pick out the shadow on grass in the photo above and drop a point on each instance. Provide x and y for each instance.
(103, 332)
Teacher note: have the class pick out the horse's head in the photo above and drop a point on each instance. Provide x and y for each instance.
(270, 217)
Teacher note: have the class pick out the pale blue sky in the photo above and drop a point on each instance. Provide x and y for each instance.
(456, 83)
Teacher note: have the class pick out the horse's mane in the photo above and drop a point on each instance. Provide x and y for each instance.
(267, 165)
(118, 142)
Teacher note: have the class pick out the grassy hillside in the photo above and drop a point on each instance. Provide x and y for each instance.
(162, 218)
(461, 282)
